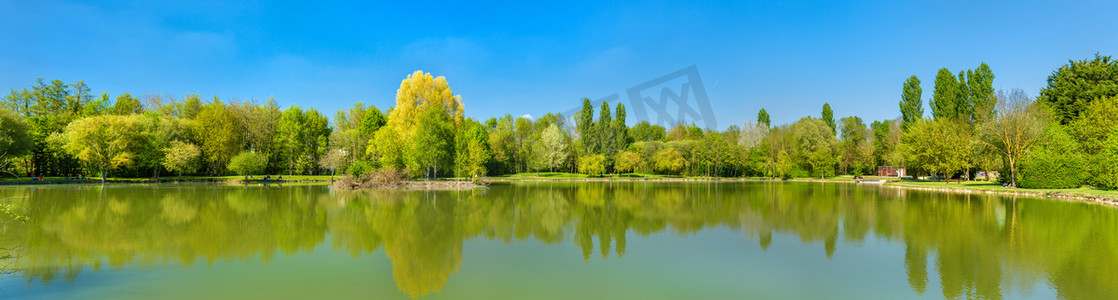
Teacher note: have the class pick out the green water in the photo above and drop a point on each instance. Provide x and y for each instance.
(632, 240)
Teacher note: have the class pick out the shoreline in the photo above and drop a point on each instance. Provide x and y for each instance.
(1110, 201)
(895, 184)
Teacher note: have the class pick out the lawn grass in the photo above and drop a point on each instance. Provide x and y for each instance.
(993, 186)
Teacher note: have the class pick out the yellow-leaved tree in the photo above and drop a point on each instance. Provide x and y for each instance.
(419, 93)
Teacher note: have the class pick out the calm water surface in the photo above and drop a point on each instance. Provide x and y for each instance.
(629, 240)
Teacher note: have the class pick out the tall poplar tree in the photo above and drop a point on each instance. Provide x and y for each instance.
(912, 107)
(584, 120)
(980, 84)
(829, 116)
(620, 129)
(945, 98)
(605, 130)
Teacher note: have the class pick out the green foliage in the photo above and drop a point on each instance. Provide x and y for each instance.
(155, 136)
(15, 135)
(472, 151)
(829, 117)
(763, 117)
(683, 132)
(191, 107)
(627, 161)
(301, 139)
(621, 138)
(97, 107)
(1094, 124)
(433, 145)
(947, 99)
(912, 106)
(220, 133)
(333, 160)
(980, 83)
(127, 105)
(939, 146)
(502, 144)
(593, 164)
(105, 142)
(551, 150)
(645, 131)
(605, 131)
(816, 144)
(181, 157)
(586, 130)
(374, 119)
(1074, 86)
(1106, 163)
(248, 163)
(1019, 124)
(1054, 163)
(886, 139)
(668, 161)
(856, 151)
(360, 168)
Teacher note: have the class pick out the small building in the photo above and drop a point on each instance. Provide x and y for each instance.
(890, 171)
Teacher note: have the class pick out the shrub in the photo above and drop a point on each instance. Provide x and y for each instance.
(627, 161)
(248, 163)
(383, 178)
(359, 168)
(797, 172)
(592, 164)
(1045, 169)
(1105, 165)
(1054, 163)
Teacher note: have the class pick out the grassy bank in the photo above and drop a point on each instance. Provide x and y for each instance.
(1084, 193)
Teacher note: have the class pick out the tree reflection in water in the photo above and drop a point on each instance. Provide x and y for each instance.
(980, 245)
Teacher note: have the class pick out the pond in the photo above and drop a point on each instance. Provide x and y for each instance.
(552, 240)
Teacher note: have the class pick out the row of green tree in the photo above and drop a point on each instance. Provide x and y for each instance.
(1060, 139)
(58, 129)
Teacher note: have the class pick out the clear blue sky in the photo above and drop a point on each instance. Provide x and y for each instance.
(521, 57)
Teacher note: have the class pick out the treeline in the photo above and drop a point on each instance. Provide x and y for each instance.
(1063, 138)
(1060, 139)
(58, 129)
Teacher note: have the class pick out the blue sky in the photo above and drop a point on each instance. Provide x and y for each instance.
(522, 57)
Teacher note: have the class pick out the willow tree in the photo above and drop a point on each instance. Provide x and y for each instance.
(103, 142)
